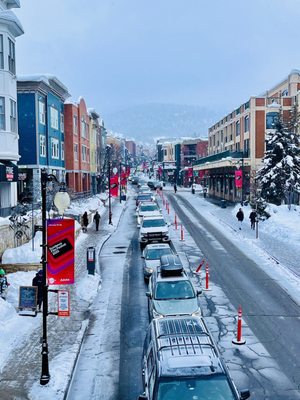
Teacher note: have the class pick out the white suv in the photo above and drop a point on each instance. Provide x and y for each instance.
(153, 229)
(147, 209)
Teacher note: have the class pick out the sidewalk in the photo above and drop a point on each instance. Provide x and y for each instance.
(20, 376)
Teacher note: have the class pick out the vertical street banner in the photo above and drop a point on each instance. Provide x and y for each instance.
(123, 178)
(60, 251)
(238, 177)
(127, 172)
(190, 172)
(114, 185)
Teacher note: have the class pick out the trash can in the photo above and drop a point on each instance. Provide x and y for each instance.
(193, 191)
(223, 204)
(91, 260)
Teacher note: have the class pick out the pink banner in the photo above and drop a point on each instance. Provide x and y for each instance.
(238, 178)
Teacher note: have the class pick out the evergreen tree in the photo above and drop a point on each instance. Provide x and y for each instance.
(280, 175)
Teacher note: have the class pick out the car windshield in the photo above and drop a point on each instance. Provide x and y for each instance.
(174, 290)
(204, 388)
(153, 223)
(155, 254)
(149, 208)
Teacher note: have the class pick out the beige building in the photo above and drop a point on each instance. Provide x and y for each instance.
(238, 140)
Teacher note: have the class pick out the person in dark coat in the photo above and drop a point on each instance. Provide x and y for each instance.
(252, 217)
(240, 217)
(84, 222)
(3, 284)
(38, 282)
(97, 220)
(175, 187)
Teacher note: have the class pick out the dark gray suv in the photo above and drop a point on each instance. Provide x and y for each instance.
(181, 362)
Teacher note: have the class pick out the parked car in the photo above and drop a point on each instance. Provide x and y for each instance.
(147, 209)
(151, 257)
(143, 197)
(181, 361)
(154, 185)
(153, 229)
(171, 292)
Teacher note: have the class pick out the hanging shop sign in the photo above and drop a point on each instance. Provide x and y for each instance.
(238, 177)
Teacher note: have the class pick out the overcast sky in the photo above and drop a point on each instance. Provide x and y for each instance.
(118, 53)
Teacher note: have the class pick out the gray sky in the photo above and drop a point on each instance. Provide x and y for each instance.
(122, 53)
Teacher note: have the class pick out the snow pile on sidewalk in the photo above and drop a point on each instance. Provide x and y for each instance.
(25, 253)
(91, 204)
(14, 328)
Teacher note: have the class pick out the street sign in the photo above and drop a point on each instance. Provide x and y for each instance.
(63, 303)
(27, 300)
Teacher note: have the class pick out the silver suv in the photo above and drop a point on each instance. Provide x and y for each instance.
(171, 292)
(181, 361)
(151, 256)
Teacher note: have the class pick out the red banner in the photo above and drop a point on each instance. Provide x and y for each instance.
(114, 185)
(238, 175)
(190, 172)
(60, 251)
(123, 178)
(127, 172)
(159, 170)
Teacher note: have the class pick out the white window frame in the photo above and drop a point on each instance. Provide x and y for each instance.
(2, 115)
(62, 147)
(13, 116)
(1, 52)
(42, 145)
(62, 122)
(83, 128)
(54, 118)
(11, 57)
(54, 149)
(83, 154)
(75, 151)
(42, 112)
(75, 124)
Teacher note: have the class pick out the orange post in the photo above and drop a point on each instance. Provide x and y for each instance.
(181, 233)
(199, 267)
(239, 340)
(175, 222)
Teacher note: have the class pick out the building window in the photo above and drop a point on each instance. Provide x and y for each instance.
(42, 146)
(13, 116)
(62, 122)
(1, 52)
(237, 128)
(62, 150)
(11, 57)
(75, 124)
(53, 118)
(83, 153)
(83, 128)
(2, 113)
(42, 112)
(246, 123)
(54, 148)
(76, 152)
(271, 120)
(247, 148)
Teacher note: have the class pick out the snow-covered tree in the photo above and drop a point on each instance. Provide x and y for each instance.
(280, 174)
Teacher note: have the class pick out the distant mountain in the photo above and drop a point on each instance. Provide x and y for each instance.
(161, 120)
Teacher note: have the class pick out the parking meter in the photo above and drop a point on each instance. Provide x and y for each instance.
(91, 260)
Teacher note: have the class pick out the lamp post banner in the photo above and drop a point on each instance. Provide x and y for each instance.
(238, 175)
(60, 251)
(114, 185)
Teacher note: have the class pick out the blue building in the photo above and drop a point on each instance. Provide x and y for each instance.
(41, 130)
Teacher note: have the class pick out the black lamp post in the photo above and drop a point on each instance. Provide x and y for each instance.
(62, 201)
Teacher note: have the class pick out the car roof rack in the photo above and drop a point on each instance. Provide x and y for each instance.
(170, 265)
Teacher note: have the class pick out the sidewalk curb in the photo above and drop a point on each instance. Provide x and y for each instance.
(66, 391)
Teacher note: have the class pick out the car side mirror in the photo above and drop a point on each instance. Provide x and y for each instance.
(160, 210)
(143, 257)
(199, 292)
(148, 294)
(168, 224)
(245, 394)
(138, 225)
(142, 397)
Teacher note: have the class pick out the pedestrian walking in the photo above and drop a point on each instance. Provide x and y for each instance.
(38, 282)
(204, 193)
(175, 187)
(97, 220)
(3, 284)
(84, 221)
(252, 217)
(240, 218)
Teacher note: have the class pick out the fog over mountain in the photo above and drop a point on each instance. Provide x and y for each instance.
(150, 121)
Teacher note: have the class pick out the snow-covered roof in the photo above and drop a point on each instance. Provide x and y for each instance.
(48, 79)
(93, 113)
(8, 18)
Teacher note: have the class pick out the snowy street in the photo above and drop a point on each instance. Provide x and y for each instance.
(110, 315)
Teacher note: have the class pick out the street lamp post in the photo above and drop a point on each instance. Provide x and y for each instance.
(61, 201)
